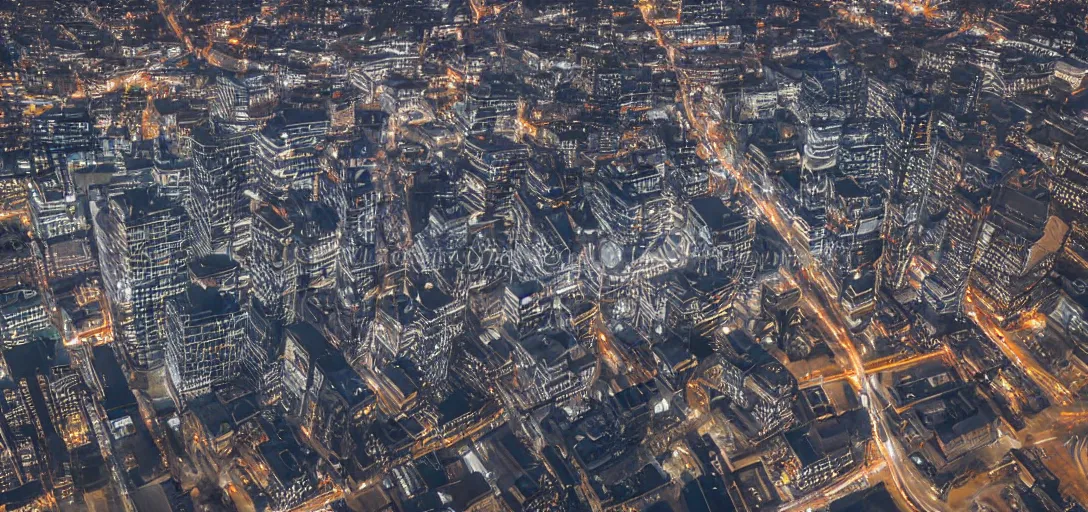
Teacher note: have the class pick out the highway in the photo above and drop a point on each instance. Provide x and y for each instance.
(819, 297)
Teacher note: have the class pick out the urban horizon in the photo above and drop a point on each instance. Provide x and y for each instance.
(543, 255)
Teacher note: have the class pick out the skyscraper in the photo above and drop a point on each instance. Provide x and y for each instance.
(219, 169)
(273, 265)
(357, 265)
(243, 102)
(287, 153)
(205, 331)
(142, 240)
(943, 290)
(1018, 244)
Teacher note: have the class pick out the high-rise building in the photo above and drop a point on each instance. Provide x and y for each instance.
(495, 166)
(943, 290)
(910, 189)
(524, 306)
(900, 233)
(420, 326)
(317, 238)
(264, 338)
(142, 242)
(219, 170)
(52, 212)
(1069, 189)
(964, 86)
(854, 220)
(22, 316)
(357, 265)
(205, 339)
(286, 153)
(324, 394)
(273, 265)
(863, 153)
(947, 169)
(729, 234)
(62, 143)
(822, 140)
(244, 102)
(630, 202)
(1069, 186)
(551, 366)
(1017, 246)
(916, 134)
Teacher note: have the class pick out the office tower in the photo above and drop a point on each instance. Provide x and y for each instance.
(854, 220)
(729, 234)
(496, 165)
(295, 248)
(142, 242)
(357, 265)
(822, 139)
(964, 87)
(53, 213)
(1069, 189)
(1017, 246)
(62, 143)
(629, 201)
(243, 103)
(173, 175)
(543, 242)
(419, 325)
(287, 153)
(324, 394)
(851, 94)
(690, 174)
(524, 306)
(317, 237)
(263, 341)
(23, 316)
(910, 191)
(19, 416)
(703, 11)
(219, 170)
(12, 136)
(551, 367)
(947, 169)
(273, 265)
(815, 195)
(863, 153)
(205, 338)
(881, 97)
(943, 290)
(1069, 186)
(899, 232)
(490, 107)
(916, 132)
